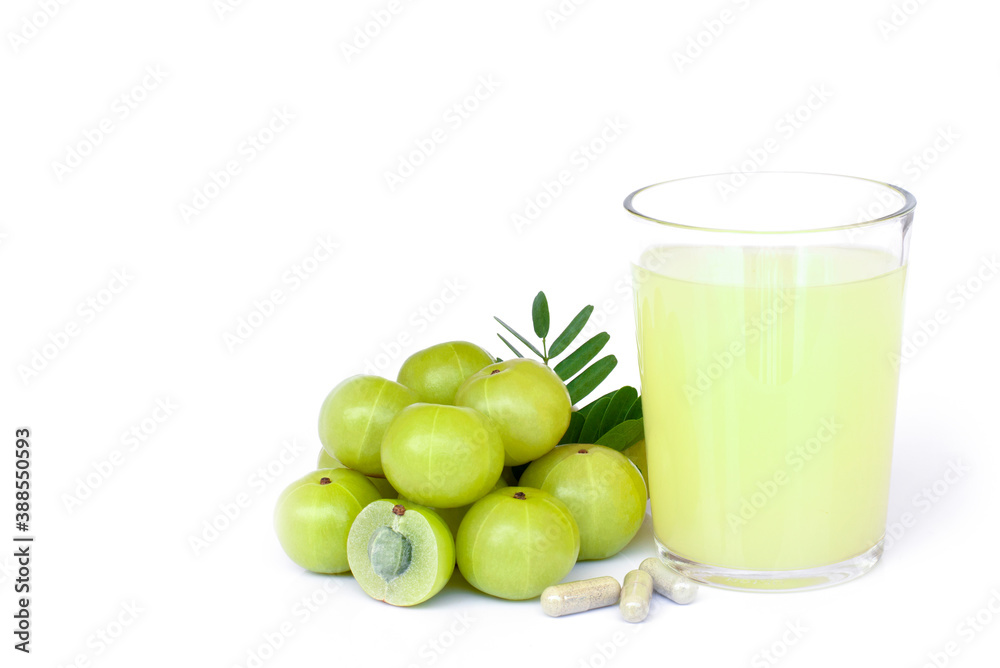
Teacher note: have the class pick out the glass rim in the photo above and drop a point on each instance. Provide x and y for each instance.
(909, 203)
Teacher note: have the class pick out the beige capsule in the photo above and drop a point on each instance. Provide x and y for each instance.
(572, 597)
(636, 592)
(669, 582)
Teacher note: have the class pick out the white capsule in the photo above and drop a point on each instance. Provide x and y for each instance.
(580, 596)
(669, 582)
(636, 592)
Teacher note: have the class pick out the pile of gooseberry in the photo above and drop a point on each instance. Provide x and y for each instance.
(417, 475)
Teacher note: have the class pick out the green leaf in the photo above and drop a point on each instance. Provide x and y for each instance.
(591, 377)
(581, 356)
(635, 410)
(572, 330)
(592, 426)
(515, 351)
(519, 337)
(586, 409)
(620, 403)
(623, 436)
(572, 434)
(540, 315)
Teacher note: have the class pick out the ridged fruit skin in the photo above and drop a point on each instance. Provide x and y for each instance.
(355, 415)
(527, 402)
(312, 519)
(326, 461)
(442, 456)
(435, 374)
(602, 488)
(514, 548)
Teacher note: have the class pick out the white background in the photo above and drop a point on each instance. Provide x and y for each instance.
(891, 91)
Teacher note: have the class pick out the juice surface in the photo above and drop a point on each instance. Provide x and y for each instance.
(769, 398)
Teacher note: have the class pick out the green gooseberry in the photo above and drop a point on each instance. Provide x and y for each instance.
(601, 487)
(354, 417)
(527, 402)
(400, 552)
(436, 373)
(516, 541)
(442, 456)
(314, 514)
(326, 461)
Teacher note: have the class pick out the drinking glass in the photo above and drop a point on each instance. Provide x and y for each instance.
(768, 315)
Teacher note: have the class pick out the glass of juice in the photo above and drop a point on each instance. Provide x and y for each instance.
(768, 313)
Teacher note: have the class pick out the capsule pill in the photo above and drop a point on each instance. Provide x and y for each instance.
(636, 592)
(580, 596)
(669, 582)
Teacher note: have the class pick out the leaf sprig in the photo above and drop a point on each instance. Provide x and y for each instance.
(613, 420)
(580, 379)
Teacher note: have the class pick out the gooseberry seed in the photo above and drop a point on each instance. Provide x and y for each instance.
(390, 552)
(398, 509)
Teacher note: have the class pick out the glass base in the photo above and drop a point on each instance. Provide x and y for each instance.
(780, 581)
